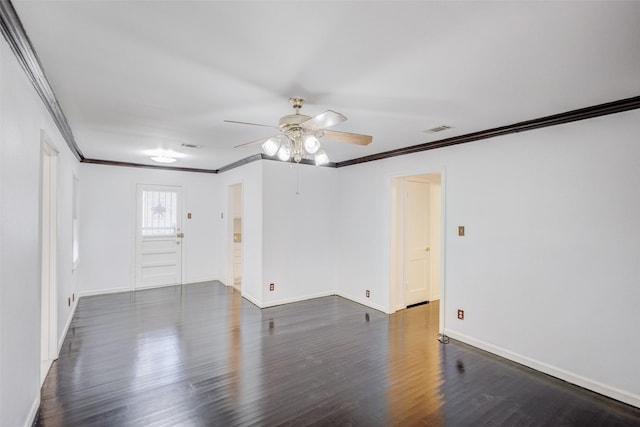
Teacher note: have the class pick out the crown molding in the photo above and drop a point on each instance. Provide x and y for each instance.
(142, 165)
(542, 122)
(19, 42)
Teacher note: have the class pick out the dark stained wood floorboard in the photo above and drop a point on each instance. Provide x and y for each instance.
(200, 355)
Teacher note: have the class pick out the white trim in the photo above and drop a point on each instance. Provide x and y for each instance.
(67, 324)
(162, 285)
(362, 301)
(48, 243)
(129, 289)
(33, 411)
(298, 299)
(192, 282)
(596, 386)
(231, 199)
(398, 308)
(103, 292)
(396, 287)
(252, 300)
(75, 209)
(309, 297)
(139, 238)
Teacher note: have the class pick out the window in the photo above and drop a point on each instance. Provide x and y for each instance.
(159, 213)
(75, 226)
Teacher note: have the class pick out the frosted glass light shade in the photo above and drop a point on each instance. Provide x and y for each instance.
(284, 153)
(271, 145)
(163, 159)
(321, 158)
(311, 144)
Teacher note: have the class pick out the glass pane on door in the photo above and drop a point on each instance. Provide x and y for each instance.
(159, 213)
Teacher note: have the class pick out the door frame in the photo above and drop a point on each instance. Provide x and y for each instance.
(48, 255)
(396, 241)
(138, 234)
(230, 229)
(406, 236)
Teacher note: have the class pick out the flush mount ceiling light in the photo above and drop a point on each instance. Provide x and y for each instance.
(163, 159)
(163, 156)
(300, 137)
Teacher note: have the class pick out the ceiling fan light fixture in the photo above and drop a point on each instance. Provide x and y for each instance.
(311, 144)
(271, 146)
(163, 159)
(300, 137)
(321, 158)
(284, 152)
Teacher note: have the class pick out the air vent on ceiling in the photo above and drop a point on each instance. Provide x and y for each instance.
(190, 146)
(438, 129)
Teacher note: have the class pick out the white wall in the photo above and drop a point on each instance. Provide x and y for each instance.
(108, 225)
(250, 175)
(299, 232)
(547, 272)
(23, 115)
(364, 229)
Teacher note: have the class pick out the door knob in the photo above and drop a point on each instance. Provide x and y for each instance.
(180, 235)
(427, 249)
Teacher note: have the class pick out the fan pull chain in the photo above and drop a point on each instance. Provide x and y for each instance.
(298, 179)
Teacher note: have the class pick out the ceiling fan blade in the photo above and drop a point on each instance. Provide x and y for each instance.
(351, 138)
(324, 120)
(252, 124)
(257, 141)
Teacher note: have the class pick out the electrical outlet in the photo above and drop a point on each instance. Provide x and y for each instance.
(460, 314)
(461, 230)
(272, 286)
(367, 293)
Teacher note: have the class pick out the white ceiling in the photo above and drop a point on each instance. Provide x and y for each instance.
(133, 76)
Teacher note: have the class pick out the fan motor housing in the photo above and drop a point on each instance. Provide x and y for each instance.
(292, 120)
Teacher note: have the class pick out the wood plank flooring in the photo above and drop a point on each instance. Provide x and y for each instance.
(200, 355)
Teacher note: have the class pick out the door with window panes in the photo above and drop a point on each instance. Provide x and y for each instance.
(159, 236)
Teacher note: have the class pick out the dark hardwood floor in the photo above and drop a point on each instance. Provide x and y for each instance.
(200, 355)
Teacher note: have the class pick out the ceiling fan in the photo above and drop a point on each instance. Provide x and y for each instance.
(300, 134)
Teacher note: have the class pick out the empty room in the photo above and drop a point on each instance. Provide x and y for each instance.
(319, 213)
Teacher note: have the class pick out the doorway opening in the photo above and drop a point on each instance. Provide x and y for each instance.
(416, 240)
(159, 236)
(235, 240)
(48, 253)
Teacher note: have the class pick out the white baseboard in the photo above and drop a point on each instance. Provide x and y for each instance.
(118, 290)
(102, 292)
(33, 411)
(252, 300)
(598, 387)
(363, 301)
(297, 299)
(191, 282)
(67, 324)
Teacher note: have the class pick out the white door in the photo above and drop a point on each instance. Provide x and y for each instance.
(159, 236)
(417, 232)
